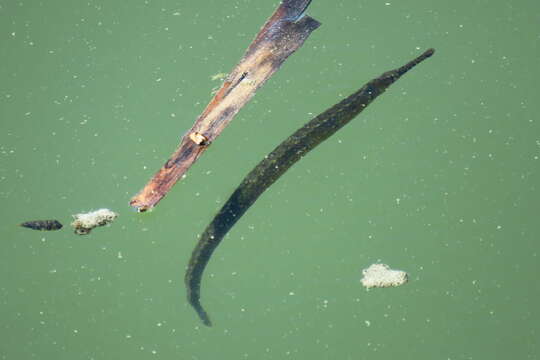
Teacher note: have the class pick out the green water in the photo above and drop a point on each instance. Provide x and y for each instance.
(439, 177)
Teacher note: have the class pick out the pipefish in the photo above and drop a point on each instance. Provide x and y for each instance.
(276, 164)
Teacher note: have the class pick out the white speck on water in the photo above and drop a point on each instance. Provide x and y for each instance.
(380, 275)
(368, 323)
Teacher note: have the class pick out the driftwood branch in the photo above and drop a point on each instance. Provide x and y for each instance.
(283, 33)
(276, 164)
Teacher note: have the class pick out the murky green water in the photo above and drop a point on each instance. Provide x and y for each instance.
(439, 177)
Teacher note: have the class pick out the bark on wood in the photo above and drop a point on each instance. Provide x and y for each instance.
(283, 33)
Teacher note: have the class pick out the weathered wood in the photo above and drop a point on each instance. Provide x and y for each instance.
(283, 33)
(276, 164)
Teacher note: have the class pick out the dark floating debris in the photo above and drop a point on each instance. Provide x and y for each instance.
(276, 164)
(44, 225)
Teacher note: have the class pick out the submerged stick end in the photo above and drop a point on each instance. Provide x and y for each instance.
(153, 192)
(138, 205)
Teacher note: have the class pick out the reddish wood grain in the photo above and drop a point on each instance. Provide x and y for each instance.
(283, 33)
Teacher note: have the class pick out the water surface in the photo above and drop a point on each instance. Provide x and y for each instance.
(439, 177)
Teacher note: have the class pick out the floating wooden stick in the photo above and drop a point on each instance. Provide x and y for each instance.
(276, 164)
(283, 34)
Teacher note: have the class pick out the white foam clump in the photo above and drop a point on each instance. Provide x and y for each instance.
(380, 275)
(85, 222)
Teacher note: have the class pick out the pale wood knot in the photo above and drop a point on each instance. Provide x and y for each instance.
(199, 138)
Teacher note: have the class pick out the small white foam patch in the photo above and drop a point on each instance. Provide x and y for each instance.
(380, 275)
(85, 222)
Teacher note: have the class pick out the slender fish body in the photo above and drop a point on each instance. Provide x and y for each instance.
(276, 164)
